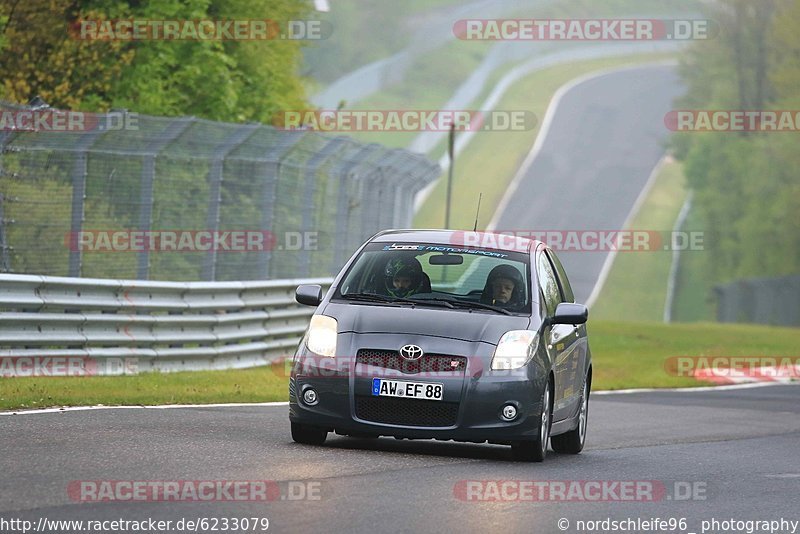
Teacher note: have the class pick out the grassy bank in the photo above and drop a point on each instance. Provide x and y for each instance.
(626, 355)
(636, 287)
(492, 158)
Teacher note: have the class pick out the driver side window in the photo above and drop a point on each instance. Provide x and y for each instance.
(548, 284)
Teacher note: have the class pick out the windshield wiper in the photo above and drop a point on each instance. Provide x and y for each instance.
(370, 297)
(471, 304)
(374, 297)
(445, 302)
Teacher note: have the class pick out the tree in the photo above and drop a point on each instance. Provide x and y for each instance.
(747, 185)
(221, 80)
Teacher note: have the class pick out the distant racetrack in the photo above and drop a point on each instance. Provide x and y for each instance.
(605, 138)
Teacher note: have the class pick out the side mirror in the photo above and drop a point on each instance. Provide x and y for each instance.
(569, 313)
(308, 294)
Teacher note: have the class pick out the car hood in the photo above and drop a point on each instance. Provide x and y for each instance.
(464, 325)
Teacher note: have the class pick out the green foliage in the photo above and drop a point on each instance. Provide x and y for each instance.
(747, 184)
(233, 81)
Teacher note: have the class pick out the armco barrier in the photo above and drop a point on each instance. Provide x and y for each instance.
(127, 326)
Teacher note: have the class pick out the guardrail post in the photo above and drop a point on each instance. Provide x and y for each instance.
(146, 190)
(238, 137)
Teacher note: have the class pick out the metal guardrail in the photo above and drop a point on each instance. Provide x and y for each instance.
(128, 326)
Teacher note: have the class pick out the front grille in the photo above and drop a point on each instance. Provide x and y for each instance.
(428, 363)
(409, 412)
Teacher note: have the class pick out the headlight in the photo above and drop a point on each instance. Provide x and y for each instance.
(321, 335)
(516, 348)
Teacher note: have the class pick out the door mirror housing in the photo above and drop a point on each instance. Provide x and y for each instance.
(569, 313)
(308, 294)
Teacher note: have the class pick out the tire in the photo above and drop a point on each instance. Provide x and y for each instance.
(536, 450)
(572, 442)
(308, 435)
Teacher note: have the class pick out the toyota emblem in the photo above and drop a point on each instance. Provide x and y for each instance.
(411, 352)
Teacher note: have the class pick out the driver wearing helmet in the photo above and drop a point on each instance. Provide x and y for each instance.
(403, 277)
(504, 287)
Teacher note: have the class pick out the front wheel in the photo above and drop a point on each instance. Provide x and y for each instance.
(308, 435)
(536, 450)
(572, 442)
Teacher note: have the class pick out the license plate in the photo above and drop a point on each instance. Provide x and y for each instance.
(411, 390)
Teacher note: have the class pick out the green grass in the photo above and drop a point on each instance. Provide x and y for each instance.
(631, 355)
(489, 163)
(258, 384)
(626, 355)
(636, 287)
(694, 299)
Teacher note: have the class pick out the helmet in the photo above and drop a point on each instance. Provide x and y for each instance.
(405, 267)
(512, 273)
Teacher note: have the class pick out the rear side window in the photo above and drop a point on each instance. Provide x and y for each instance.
(548, 283)
(566, 289)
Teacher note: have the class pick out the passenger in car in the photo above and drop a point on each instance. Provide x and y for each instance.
(504, 287)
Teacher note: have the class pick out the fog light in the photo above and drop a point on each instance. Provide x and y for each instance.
(310, 397)
(509, 412)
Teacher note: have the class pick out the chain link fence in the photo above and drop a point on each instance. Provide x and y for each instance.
(773, 301)
(122, 195)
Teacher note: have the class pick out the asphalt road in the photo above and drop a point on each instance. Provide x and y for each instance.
(605, 140)
(736, 449)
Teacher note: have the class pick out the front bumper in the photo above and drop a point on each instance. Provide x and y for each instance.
(475, 396)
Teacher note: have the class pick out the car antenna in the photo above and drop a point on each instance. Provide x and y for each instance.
(475, 228)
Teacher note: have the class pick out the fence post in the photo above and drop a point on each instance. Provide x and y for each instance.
(312, 167)
(5, 263)
(343, 207)
(370, 201)
(269, 177)
(80, 171)
(238, 137)
(146, 190)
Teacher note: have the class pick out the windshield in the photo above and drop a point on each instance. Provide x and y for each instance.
(436, 275)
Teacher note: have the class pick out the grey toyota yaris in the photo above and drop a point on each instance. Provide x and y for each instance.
(465, 336)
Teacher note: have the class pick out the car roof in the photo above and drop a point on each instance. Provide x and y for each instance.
(454, 238)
